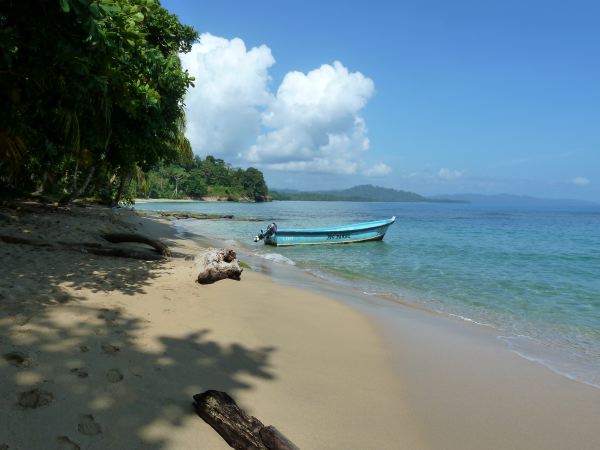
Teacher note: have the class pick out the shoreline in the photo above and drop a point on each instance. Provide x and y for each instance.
(480, 373)
(191, 200)
(328, 367)
(530, 349)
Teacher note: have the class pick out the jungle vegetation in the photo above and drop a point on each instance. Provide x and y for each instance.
(92, 101)
(197, 178)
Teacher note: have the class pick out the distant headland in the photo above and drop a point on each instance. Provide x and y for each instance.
(362, 193)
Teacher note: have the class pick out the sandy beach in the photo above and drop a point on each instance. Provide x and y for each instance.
(116, 348)
(102, 352)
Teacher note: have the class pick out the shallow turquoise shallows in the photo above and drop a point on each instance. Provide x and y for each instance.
(531, 275)
(346, 234)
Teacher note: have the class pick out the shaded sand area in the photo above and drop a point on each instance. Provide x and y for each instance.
(106, 353)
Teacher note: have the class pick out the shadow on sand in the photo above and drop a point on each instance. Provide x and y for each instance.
(93, 385)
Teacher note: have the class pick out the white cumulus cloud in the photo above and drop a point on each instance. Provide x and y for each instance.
(230, 86)
(311, 123)
(580, 181)
(314, 123)
(449, 174)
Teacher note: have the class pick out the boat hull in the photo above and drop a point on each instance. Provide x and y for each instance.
(371, 231)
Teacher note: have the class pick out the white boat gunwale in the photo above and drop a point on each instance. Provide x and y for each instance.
(365, 226)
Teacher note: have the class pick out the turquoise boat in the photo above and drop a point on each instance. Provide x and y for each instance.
(347, 234)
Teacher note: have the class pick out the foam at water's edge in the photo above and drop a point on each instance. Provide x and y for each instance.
(525, 347)
(467, 319)
(275, 257)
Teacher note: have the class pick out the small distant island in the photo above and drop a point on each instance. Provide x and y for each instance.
(511, 200)
(362, 193)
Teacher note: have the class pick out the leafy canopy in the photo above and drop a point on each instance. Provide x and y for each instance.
(89, 86)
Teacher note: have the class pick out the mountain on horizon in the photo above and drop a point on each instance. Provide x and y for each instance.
(362, 193)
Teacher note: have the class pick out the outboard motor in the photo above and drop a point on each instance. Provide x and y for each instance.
(271, 230)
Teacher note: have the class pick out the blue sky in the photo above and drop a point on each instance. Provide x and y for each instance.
(430, 96)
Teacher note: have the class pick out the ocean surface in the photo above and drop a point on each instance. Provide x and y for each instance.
(531, 275)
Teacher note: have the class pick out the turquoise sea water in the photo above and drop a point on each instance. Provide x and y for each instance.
(533, 276)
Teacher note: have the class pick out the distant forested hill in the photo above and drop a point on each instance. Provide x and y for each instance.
(363, 193)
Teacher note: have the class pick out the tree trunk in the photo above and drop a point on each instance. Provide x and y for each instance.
(73, 195)
(120, 190)
(74, 184)
(86, 182)
(238, 429)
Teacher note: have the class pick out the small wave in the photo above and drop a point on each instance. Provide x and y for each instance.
(467, 319)
(562, 363)
(371, 294)
(276, 257)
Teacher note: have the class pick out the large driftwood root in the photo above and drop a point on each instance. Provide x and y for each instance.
(117, 238)
(216, 264)
(120, 253)
(239, 430)
(87, 247)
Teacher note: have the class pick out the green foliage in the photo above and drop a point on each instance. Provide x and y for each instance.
(245, 265)
(197, 178)
(89, 87)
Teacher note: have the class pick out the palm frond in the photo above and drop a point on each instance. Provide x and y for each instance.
(12, 153)
(70, 127)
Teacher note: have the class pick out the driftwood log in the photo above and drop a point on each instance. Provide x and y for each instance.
(216, 264)
(200, 216)
(86, 247)
(239, 430)
(117, 238)
(203, 216)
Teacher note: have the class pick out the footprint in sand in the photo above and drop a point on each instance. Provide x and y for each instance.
(81, 373)
(114, 376)
(64, 443)
(109, 315)
(21, 319)
(88, 426)
(34, 398)
(17, 359)
(110, 349)
(62, 298)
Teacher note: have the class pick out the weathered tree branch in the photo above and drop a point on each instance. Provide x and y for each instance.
(117, 238)
(239, 430)
(85, 247)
